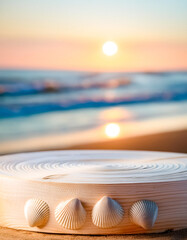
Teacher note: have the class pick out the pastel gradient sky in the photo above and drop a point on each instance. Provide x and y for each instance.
(69, 34)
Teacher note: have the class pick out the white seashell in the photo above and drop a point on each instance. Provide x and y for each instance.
(70, 214)
(107, 213)
(144, 213)
(36, 212)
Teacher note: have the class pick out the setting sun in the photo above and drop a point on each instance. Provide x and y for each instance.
(112, 130)
(110, 48)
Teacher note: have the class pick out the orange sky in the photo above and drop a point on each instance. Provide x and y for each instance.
(86, 55)
(66, 35)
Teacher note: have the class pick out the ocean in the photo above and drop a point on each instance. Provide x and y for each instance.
(36, 103)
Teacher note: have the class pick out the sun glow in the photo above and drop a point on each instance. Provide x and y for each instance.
(112, 130)
(110, 48)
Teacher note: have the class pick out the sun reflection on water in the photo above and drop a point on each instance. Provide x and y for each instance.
(112, 130)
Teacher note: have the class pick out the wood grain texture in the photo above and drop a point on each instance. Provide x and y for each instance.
(124, 176)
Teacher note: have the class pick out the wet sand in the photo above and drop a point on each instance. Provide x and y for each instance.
(157, 135)
(175, 141)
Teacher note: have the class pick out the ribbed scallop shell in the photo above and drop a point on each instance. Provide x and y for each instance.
(107, 213)
(36, 212)
(144, 213)
(70, 214)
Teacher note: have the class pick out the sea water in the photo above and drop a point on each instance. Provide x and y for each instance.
(39, 103)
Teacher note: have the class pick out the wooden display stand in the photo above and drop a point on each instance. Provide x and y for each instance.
(94, 192)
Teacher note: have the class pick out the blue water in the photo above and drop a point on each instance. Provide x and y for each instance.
(36, 103)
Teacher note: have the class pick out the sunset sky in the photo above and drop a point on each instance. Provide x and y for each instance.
(68, 34)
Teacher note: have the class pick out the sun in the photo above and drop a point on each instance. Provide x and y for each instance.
(110, 48)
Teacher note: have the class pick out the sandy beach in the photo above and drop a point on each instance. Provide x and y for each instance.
(175, 141)
(10, 234)
(169, 141)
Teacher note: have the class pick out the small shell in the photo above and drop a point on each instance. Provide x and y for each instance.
(36, 212)
(70, 214)
(144, 213)
(107, 213)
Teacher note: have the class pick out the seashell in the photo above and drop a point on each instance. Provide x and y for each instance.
(70, 214)
(36, 212)
(144, 213)
(107, 213)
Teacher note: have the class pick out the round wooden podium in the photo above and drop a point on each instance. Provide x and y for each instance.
(94, 192)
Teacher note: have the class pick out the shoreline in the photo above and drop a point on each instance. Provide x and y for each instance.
(171, 141)
(133, 136)
(174, 141)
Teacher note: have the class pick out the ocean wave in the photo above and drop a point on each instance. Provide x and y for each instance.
(25, 93)
(27, 109)
(11, 87)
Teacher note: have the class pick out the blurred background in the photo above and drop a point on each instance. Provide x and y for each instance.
(93, 75)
